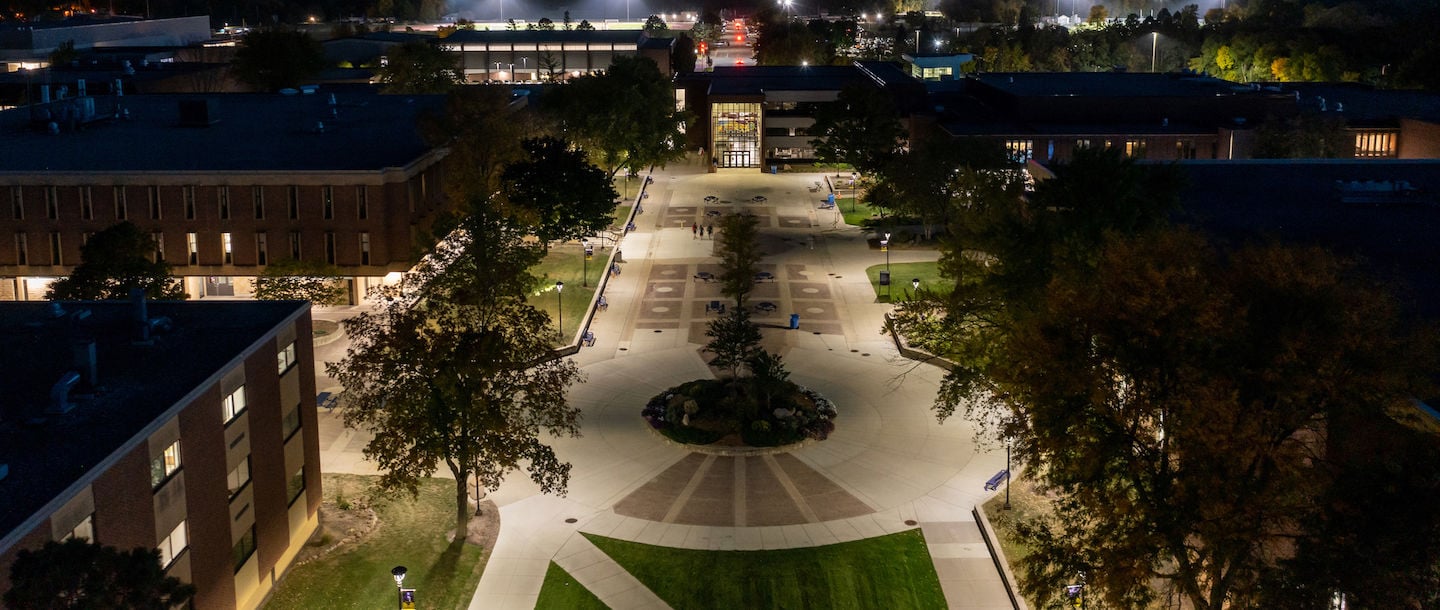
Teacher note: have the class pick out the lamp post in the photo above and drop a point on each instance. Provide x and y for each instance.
(560, 309)
(585, 262)
(853, 196)
(398, 572)
(1154, 43)
(1007, 473)
(915, 287)
(885, 245)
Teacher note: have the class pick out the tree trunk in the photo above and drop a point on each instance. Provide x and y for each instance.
(462, 501)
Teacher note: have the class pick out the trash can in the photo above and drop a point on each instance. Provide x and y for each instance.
(884, 278)
(794, 321)
(774, 169)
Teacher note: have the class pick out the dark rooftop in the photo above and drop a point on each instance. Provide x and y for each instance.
(246, 132)
(1361, 104)
(507, 36)
(135, 384)
(1109, 84)
(1299, 202)
(755, 80)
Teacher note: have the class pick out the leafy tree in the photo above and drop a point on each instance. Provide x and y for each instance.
(300, 280)
(112, 263)
(457, 369)
(483, 133)
(734, 339)
(273, 59)
(861, 128)
(419, 67)
(1309, 135)
(739, 250)
(655, 27)
(78, 574)
(682, 55)
(1167, 373)
(559, 193)
(64, 54)
(708, 33)
(545, 24)
(584, 26)
(625, 118)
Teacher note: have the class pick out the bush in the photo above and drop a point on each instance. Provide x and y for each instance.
(721, 408)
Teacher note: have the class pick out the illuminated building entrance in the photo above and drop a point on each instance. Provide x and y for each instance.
(736, 129)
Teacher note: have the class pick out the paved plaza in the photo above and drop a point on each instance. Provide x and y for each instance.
(888, 462)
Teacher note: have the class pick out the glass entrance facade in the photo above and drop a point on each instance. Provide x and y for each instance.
(736, 131)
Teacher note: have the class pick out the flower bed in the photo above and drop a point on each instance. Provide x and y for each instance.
(740, 412)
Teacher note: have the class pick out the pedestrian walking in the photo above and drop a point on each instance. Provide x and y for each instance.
(694, 230)
(710, 229)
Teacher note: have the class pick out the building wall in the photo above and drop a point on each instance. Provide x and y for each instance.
(129, 513)
(1419, 139)
(397, 204)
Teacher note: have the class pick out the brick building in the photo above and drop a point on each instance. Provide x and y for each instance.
(187, 427)
(225, 183)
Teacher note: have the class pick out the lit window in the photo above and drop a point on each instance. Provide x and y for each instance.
(286, 357)
(229, 248)
(1371, 144)
(239, 478)
(192, 245)
(165, 465)
(364, 248)
(234, 404)
(85, 530)
(1020, 151)
(173, 545)
(1135, 149)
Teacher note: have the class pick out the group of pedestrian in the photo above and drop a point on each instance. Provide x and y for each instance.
(699, 232)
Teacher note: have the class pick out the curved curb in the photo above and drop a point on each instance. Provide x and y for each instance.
(742, 451)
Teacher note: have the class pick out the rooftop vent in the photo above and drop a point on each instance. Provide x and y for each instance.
(198, 113)
(60, 393)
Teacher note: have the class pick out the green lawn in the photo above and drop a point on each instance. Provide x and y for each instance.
(856, 213)
(411, 533)
(902, 273)
(560, 591)
(1025, 505)
(619, 216)
(886, 572)
(565, 263)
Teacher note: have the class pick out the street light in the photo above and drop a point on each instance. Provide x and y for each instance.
(853, 196)
(1154, 43)
(560, 308)
(885, 245)
(1007, 473)
(585, 262)
(399, 573)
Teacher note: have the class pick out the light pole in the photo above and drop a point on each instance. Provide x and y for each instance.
(497, 69)
(399, 573)
(1007, 474)
(585, 262)
(885, 245)
(1154, 43)
(560, 309)
(853, 196)
(915, 288)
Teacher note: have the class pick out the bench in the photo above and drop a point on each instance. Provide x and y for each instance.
(714, 306)
(995, 481)
(588, 338)
(326, 400)
(602, 304)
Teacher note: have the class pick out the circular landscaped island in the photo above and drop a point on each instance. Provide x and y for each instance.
(740, 412)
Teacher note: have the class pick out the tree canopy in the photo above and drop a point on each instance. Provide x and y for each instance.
(419, 67)
(456, 369)
(112, 263)
(79, 574)
(625, 118)
(558, 191)
(273, 59)
(301, 280)
(739, 250)
(861, 128)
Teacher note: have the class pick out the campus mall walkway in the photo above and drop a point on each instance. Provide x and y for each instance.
(888, 462)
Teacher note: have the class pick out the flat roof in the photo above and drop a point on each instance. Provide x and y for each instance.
(1110, 84)
(557, 35)
(756, 80)
(1296, 201)
(135, 384)
(250, 132)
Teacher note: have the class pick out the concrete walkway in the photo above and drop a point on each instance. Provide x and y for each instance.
(889, 465)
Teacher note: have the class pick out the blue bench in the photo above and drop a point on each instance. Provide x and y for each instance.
(588, 338)
(326, 400)
(995, 481)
